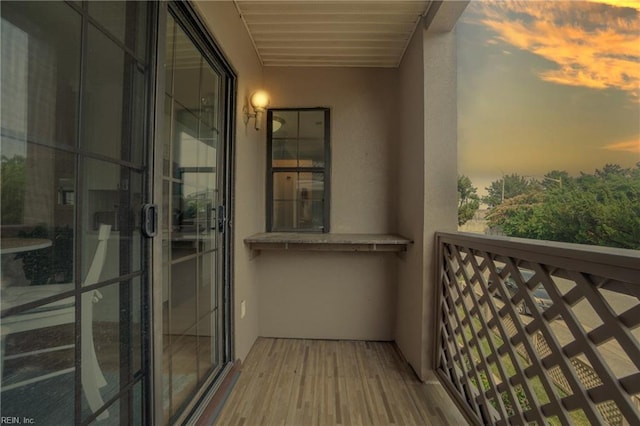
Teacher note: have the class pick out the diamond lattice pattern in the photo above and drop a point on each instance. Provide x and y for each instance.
(524, 337)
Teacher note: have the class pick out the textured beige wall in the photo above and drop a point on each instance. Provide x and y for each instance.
(227, 28)
(411, 171)
(441, 164)
(427, 167)
(324, 295)
(340, 295)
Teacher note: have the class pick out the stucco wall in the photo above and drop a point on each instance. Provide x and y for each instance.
(441, 163)
(324, 295)
(339, 295)
(411, 170)
(227, 28)
(427, 166)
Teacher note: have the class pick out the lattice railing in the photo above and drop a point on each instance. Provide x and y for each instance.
(538, 332)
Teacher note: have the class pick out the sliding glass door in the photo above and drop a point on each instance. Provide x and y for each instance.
(194, 242)
(84, 282)
(75, 96)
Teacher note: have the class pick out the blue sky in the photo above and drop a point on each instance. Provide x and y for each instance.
(547, 85)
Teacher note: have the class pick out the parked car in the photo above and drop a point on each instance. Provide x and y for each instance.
(540, 295)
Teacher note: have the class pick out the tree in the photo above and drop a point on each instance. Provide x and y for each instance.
(519, 216)
(507, 187)
(556, 178)
(600, 209)
(468, 200)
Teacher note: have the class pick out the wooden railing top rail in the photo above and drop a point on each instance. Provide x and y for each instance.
(609, 262)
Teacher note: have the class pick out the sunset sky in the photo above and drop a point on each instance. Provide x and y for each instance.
(546, 85)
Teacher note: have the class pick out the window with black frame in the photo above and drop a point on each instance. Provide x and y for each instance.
(298, 170)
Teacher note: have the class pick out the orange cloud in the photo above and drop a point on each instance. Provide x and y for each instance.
(628, 146)
(593, 44)
(633, 4)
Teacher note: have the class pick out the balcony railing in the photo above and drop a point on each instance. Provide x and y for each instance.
(538, 332)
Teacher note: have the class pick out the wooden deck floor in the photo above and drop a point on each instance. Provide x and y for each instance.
(318, 382)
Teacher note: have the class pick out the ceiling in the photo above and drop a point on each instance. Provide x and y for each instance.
(360, 33)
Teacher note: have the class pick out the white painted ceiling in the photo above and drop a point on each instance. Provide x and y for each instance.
(358, 33)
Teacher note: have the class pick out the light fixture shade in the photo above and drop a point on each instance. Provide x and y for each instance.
(259, 100)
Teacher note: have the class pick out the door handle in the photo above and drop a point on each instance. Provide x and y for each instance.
(149, 220)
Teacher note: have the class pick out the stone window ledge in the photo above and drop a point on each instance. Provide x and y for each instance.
(327, 242)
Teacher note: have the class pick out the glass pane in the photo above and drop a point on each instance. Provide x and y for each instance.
(136, 330)
(101, 345)
(283, 215)
(312, 124)
(183, 296)
(112, 200)
(311, 139)
(166, 136)
(166, 209)
(28, 380)
(311, 153)
(116, 15)
(135, 139)
(40, 72)
(139, 403)
(209, 105)
(284, 145)
(298, 201)
(186, 73)
(102, 103)
(111, 15)
(284, 186)
(184, 366)
(185, 209)
(298, 138)
(207, 202)
(178, 249)
(312, 185)
(111, 104)
(168, 54)
(206, 354)
(38, 209)
(207, 283)
(166, 277)
(285, 124)
(104, 333)
(284, 152)
(185, 141)
(113, 418)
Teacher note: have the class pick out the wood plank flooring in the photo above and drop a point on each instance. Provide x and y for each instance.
(323, 382)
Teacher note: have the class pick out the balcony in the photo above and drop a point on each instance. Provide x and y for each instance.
(505, 353)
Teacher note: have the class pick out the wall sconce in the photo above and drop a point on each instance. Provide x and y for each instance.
(259, 101)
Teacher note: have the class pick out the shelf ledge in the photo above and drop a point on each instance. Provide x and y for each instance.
(327, 242)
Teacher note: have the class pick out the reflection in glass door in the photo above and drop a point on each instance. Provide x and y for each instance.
(193, 212)
(74, 96)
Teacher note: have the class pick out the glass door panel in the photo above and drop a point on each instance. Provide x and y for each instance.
(73, 172)
(191, 240)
